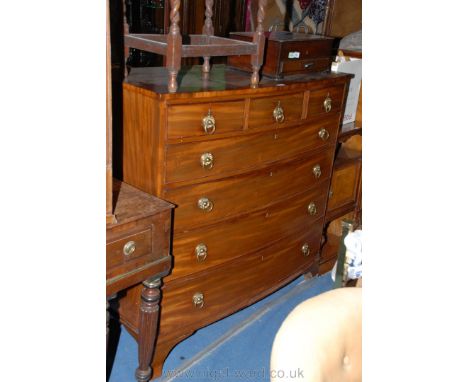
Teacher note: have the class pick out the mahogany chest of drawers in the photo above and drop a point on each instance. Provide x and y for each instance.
(249, 172)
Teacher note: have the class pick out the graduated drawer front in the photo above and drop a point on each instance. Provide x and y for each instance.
(261, 110)
(238, 154)
(247, 192)
(238, 236)
(317, 99)
(187, 120)
(239, 284)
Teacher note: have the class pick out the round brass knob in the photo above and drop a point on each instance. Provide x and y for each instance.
(205, 204)
(327, 104)
(324, 134)
(305, 250)
(278, 113)
(198, 300)
(201, 251)
(129, 248)
(317, 171)
(207, 161)
(209, 123)
(312, 208)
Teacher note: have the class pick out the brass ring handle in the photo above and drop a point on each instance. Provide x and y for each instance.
(324, 134)
(201, 251)
(207, 161)
(305, 250)
(209, 123)
(205, 204)
(312, 208)
(129, 248)
(317, 171)
(278, 113)
(198, 300)
(327, 104)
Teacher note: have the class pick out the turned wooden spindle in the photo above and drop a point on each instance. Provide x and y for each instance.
(174, 46)
(149, 317)
(126, 31)
(259, 39)
(208, 30)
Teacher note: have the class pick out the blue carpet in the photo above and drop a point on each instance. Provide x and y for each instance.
(235, 348)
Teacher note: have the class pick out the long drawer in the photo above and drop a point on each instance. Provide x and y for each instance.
(191, 161)
(196, 301)
(247, 192)
(204, 248)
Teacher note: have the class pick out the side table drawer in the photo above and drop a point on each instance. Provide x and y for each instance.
(128, 248)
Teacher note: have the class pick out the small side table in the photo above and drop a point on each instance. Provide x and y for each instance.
(138, 250)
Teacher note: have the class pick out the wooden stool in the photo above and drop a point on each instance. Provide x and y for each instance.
(205, 45)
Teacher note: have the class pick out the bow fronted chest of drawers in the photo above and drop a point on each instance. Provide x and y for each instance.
(249, 172)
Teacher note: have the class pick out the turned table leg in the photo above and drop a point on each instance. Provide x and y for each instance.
(174, 46)
(259, 39)
(149, 317)
(208, 30)
(125, 32)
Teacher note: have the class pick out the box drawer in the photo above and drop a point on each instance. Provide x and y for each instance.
(306, 65)
(203, 248)
(252, 191)
(202, 119)
(190, 303)
(286, 107)
(191, 161)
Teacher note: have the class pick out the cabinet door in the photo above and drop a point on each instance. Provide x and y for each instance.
(344, 186)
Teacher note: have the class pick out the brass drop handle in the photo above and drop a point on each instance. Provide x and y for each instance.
(209, 123)
(207, 161)
(205, 204)
(324, 134)
(327, 104)
(312, 208)
(129, 248)
(278, 113)
(198, 300)
(317, 171)
(305, 250)
(201, 251)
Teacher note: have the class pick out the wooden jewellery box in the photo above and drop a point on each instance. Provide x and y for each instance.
(288, 53)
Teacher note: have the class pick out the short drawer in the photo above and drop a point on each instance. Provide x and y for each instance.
(325, 101)
(203, 248)
(190, 161)
(247, 192)
(275, 111)
(128, 248)
(196, 301)
(205, 119)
